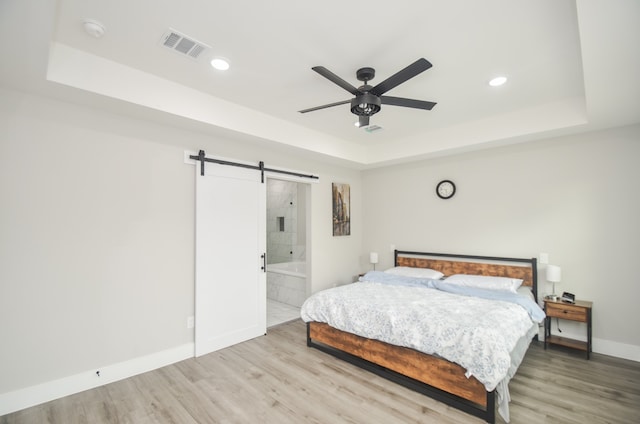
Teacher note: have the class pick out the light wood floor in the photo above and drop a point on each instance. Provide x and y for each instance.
(277, 379)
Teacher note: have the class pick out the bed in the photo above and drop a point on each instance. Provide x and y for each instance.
(422, 368)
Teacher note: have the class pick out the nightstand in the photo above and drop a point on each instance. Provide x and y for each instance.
(579, 311)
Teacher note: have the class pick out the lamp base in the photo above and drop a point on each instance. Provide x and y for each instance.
(553, 297)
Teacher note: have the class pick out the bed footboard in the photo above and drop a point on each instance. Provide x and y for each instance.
(435, 377)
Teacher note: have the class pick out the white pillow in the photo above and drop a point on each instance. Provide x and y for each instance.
(407, 271)
(485, 282)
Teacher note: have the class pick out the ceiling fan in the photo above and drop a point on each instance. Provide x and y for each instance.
(368, 99)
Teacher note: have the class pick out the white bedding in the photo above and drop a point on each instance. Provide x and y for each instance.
(478, 334)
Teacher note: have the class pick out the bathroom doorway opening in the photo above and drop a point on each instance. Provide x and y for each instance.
(288, 248)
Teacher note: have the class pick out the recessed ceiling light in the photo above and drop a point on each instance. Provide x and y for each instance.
(497, 81)
(220, 63)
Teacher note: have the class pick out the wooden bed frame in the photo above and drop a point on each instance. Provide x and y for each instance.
(430, 375)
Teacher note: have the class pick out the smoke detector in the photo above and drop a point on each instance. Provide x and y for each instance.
(182, 44)
(93, 28)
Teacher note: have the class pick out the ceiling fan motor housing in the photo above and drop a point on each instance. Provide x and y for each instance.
(365, 104)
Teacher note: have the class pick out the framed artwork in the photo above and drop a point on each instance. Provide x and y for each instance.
(341, 209)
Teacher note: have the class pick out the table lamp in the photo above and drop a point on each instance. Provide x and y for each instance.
(554, 275)
(373, 258)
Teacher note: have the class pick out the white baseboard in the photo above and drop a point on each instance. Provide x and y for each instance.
(45, 392)
(619, 350)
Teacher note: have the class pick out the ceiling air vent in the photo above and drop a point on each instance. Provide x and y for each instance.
(183, 44)
(372, 128)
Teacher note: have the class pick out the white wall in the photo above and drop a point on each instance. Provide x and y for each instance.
(97, 237)
(575, 198)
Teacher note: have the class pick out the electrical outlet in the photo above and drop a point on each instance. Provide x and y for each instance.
(191, 322)
(544, 258)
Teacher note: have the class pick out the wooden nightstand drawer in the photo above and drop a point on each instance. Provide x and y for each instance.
(566, 311)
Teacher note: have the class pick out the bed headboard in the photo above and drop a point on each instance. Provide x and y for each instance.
(449, 264)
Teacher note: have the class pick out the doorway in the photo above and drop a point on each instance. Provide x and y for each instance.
(288, 206)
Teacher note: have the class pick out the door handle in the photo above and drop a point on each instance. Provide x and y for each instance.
(264, 262)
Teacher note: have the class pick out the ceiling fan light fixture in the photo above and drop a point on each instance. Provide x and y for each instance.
(365, 105)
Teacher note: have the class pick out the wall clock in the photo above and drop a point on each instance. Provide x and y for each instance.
(445, 189)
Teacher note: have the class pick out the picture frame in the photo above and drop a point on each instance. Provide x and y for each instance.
(341, 209)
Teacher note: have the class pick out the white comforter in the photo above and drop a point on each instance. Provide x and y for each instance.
(478, 334)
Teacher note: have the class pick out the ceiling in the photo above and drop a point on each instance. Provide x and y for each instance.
(572, 66)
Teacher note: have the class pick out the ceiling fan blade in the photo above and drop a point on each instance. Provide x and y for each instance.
(398, 78)
(363, 121)
(399, 101)
(325, 106)
(336, 79)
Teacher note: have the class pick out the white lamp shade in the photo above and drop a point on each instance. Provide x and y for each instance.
(373, 257)
(554, 273)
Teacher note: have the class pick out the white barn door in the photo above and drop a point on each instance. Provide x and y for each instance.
(230, 286)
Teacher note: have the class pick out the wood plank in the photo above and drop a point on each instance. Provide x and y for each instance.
(563, 341)
(430, 370)
(525, 273)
